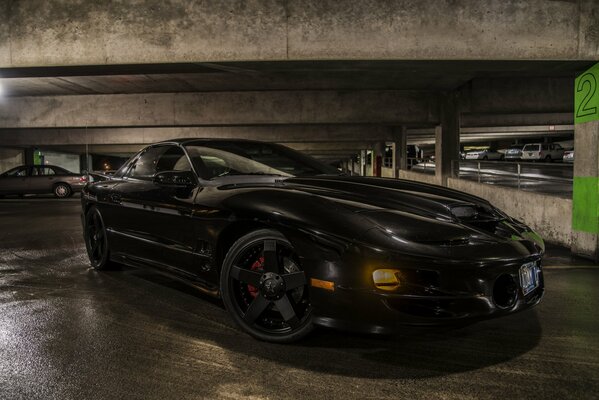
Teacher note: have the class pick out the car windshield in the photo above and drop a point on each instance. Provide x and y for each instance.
(515, 147)
(217, 159)
(531, 147)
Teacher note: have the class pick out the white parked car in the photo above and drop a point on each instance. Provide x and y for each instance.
(542, 151)
(569, 156)
(488, 154)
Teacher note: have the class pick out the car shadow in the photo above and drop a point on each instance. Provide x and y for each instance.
(413, 353)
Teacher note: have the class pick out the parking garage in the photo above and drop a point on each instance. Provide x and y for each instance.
(494, 99)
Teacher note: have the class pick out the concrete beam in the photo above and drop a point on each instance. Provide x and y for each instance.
(475, 120)
(344, 135)
(518, 95)
(219, 108)
(71, 32)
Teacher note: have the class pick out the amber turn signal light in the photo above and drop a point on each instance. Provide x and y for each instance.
(386, 279)
(327, 285)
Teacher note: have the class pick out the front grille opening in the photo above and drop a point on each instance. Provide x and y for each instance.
(505, 291)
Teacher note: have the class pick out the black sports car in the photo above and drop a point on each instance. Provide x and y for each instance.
(289, 243)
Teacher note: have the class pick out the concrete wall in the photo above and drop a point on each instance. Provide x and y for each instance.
(419, 176)
(549, 216)
(75, 32)
(70, 162)
(10, 158)
(387, 172)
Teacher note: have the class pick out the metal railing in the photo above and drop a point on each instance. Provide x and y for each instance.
(542, 177)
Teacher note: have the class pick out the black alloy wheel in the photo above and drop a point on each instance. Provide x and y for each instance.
(62, 190)
(265, 289)
(96, 240)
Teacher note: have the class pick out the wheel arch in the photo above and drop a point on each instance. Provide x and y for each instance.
(305, 241)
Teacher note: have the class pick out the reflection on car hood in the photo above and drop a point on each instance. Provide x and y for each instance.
(361, 194)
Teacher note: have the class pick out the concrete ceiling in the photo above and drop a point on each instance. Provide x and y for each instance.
(244, 76)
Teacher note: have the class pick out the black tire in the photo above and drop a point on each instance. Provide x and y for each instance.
(485, 158)
(502, 158)
(96, 241)
(548, 159)
(266, 292)
(62, 190)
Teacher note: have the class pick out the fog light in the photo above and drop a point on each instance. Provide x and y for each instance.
(386, 279)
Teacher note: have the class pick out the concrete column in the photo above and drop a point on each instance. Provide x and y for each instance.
(585, 196)
(362, 162)
(400, 150)
(447, 137)
(352, 170)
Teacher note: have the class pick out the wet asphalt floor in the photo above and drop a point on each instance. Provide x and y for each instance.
(69, 332)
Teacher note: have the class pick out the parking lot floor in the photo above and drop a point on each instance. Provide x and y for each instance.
(69, 332)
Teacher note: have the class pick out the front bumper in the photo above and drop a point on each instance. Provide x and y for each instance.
(464, 296)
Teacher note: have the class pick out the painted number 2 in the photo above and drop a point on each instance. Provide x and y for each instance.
(588, 85)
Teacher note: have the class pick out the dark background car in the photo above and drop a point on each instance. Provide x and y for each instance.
(41, 179)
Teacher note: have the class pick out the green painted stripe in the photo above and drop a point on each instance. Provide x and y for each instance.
(585, 204)
(586, 96)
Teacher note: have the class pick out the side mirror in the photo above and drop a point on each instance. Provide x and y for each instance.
(175, 179)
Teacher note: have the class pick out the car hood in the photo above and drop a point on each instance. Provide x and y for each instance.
(376, 195)
(405, 216)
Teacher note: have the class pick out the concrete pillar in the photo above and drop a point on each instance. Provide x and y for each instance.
(447, 137)
(400, 150)
(362, 162)
(352, 169)
(29, 155)
(585, 196)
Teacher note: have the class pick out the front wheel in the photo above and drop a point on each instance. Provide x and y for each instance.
(265, 289)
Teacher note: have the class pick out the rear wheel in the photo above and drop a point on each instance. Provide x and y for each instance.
(548, 159)
(485, 158)
(96, 240)
(264, 288)
(62, 190)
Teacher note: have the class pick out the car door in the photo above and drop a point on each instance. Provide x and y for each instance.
(153, 220)
(42, 179)
(15, 181)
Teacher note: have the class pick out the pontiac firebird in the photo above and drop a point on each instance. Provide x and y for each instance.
(289, 243)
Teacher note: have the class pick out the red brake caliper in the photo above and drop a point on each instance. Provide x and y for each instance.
(258, 265)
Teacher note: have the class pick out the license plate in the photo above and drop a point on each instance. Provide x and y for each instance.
(529, 277)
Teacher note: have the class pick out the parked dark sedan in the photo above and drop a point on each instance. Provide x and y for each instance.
(289, 243)
(39, 179)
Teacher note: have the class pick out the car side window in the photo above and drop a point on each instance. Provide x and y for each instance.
(20, 171)
(159, 159)
(46, 171)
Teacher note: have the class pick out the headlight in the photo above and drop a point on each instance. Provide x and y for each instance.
(386, 279)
